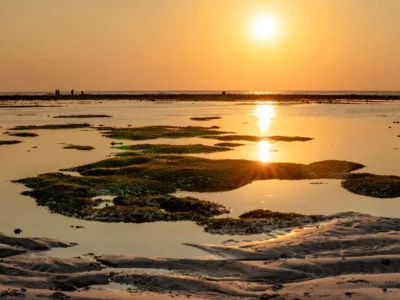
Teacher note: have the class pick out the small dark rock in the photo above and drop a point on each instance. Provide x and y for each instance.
(17, 231)
(277, 287)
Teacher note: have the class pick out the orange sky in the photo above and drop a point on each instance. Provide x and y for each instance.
(110, 45)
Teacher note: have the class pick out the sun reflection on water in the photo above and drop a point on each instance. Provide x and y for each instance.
(264, 153)
(264, 113)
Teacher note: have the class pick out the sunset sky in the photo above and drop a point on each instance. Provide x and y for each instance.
(127, 45)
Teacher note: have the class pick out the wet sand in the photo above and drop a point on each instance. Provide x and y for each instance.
(358, 133)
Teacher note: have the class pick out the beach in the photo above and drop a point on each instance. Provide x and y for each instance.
(102, 181)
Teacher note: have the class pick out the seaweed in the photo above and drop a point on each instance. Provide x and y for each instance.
(23, 134)
(173, 149)
(204, 118)
(157, 132)
(258, 221)
(378, 186)
(52, 126)
(78, 147)
(145, 183)
(10, 142)
(82, 116)
(139, 200)
(228, 145)
(251, 138)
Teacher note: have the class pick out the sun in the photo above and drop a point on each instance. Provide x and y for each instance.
(265, 27)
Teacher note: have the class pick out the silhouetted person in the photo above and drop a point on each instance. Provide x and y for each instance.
(82, 93)
(72, 92)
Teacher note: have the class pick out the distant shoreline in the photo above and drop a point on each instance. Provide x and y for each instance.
(203, 97)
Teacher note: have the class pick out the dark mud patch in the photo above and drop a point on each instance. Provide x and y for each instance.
(158, 132)
(9, 142)
(378, 186)
(146, 182)
(259, 221)
(52, 126)
(81, 116)
(28, 106)
(23, 134)
(79, 147)
(228, 145)
(250, 138)
(205, 118)
(174, 149)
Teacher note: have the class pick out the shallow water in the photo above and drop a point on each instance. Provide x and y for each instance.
(354, 132)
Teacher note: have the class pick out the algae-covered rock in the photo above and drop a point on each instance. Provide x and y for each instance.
(140, 200)
(228, 145)
(157, 132)
(371, 185)
(251, 138)
(204, 118)
(174, 149)
(81, 116)
(9, 142)
(23, 134)
(259, 221)
(52, 126)
(144, 183)
(79, 147)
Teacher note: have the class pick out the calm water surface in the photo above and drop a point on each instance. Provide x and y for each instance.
(363, 133)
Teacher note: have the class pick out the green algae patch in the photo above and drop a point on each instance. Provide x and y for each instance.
(205, 118)
(174, 149)
(268, 214)
(377, 186)
(9, 142)
(82, 116)
(79, 147)
(23, 134)
(143, 184)
(228, 145)
(259, 221)
(209, 175)
(158, 132)
(52, 126)
(251, 138)
(138, 200)
(174, 204)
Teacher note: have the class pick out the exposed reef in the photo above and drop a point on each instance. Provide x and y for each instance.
(140, 200)
(259, 221)
(146, 182)
(173, 149)
(228, 145)
(52, 126)
(9, 142)
(79, 147)
(250, 138)
(23, 134)
(157, 132)
(204, 118)
(81, 116)
(378, 186)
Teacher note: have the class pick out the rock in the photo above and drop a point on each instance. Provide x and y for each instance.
(17, 231)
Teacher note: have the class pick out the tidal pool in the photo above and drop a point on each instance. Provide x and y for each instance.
(354, 132)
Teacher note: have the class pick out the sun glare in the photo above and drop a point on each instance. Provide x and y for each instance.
(264, 113)
(264, 153)
(264, 27)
